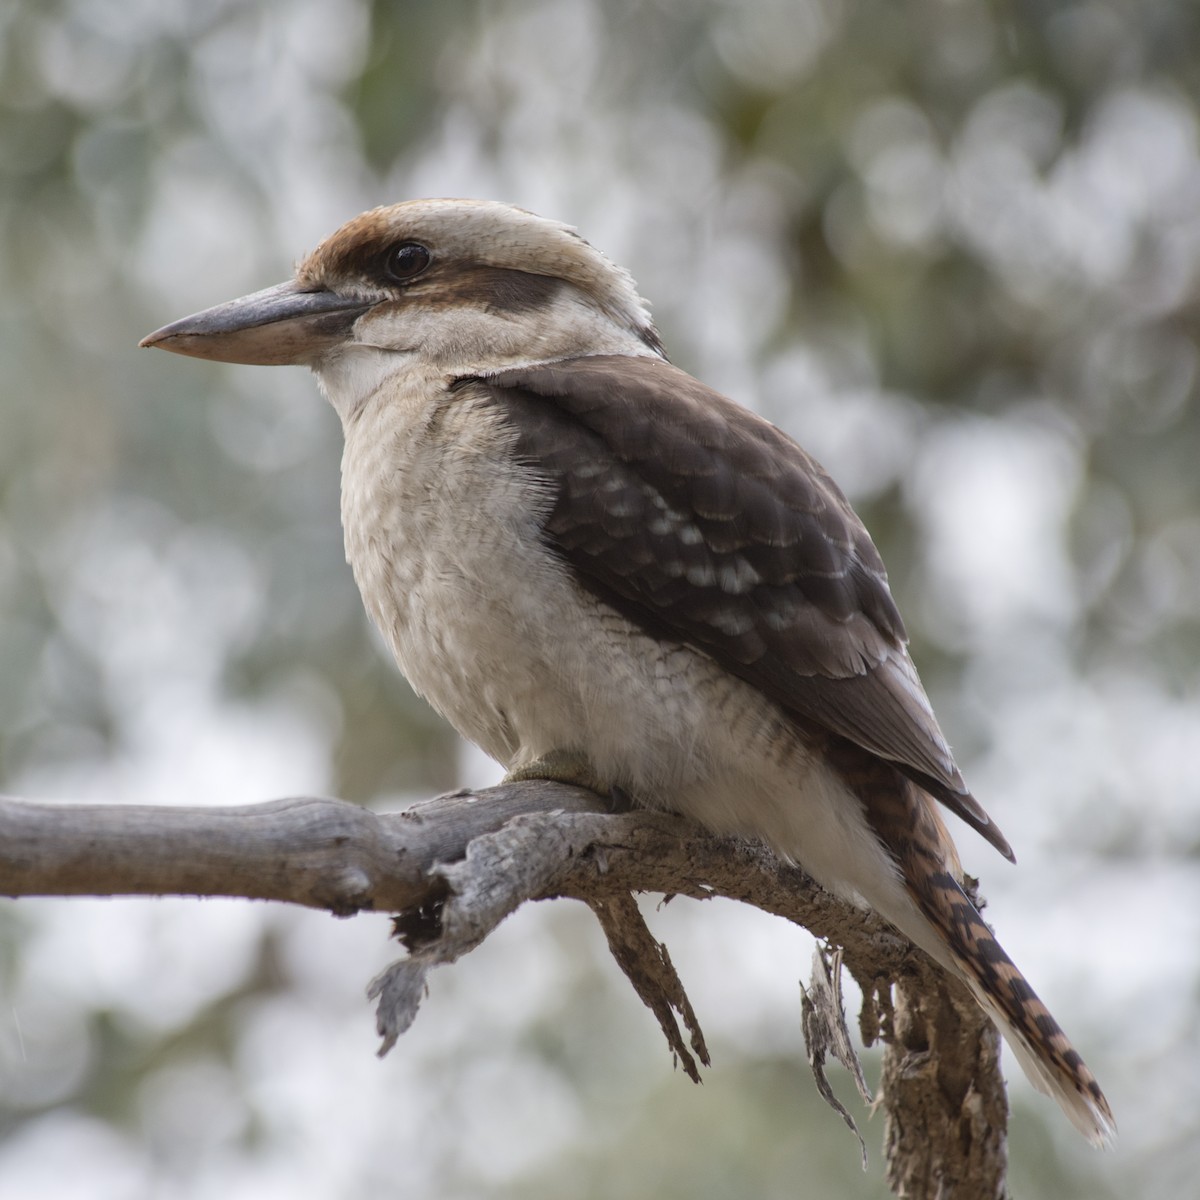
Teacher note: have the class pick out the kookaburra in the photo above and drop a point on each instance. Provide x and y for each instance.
(602, 571)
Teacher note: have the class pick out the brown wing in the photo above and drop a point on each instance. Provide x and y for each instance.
(705, 524)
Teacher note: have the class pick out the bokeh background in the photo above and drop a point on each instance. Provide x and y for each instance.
(952, 246)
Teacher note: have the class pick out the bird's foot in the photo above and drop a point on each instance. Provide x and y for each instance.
(574, 769)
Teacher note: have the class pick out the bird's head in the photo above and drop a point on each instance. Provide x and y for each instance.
(460, 286)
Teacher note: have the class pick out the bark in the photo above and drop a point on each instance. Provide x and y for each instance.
(453, 867)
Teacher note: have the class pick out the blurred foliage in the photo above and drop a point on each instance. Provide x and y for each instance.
(96, 437)
(953, 247)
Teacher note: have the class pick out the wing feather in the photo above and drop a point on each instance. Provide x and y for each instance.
(705, 524)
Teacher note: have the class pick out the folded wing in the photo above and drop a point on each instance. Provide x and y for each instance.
(704, 524)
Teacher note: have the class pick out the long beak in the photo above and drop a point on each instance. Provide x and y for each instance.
(275, 327)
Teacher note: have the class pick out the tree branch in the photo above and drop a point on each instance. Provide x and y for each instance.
(453, 867)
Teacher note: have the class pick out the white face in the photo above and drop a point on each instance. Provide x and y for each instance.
(464, 339)
(458, 288)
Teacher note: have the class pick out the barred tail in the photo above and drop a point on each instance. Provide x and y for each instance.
(1045, 1053)
(937, 914)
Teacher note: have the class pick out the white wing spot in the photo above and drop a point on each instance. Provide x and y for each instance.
(738, 577)
(732, 621)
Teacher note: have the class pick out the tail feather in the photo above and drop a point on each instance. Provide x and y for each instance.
(1044, 1051)
(943, 921)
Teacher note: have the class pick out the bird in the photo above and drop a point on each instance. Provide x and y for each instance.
(602, 571)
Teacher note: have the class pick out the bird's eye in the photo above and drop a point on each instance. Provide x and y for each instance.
(405, 261)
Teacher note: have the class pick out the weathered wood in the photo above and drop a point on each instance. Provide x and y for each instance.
(452, 867)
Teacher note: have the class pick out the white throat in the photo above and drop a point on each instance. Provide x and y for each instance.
(390, 341)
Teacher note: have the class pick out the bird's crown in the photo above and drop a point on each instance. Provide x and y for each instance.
(469, 242)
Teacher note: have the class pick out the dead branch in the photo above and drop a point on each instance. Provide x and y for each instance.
(453, 867)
